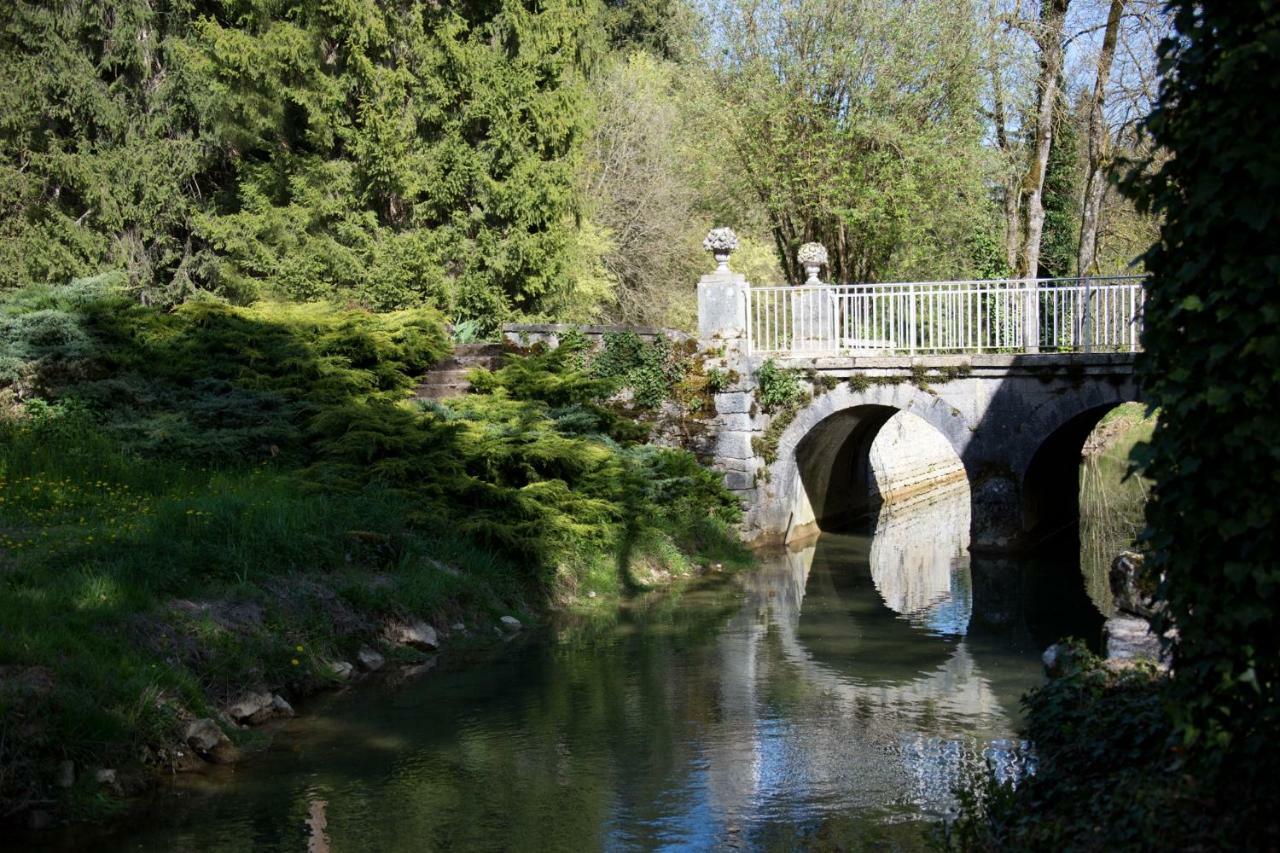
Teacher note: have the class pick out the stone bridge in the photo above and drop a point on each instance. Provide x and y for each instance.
(875, 426)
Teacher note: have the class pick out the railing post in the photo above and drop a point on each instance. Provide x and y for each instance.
(1031, 316)
(912, 328)
(1086, 316)
(1133, 317)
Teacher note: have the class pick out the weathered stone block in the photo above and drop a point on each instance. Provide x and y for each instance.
(734, 402)
(741, 421)
(739, 481)
(750, 466)
(734, 445)
(722, 306)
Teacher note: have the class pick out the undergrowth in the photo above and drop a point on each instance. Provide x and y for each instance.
(158, 468)
(1109, 776)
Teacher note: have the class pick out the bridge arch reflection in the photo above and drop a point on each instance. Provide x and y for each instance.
(873, 633)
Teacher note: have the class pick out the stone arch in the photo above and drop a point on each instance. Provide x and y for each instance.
(1024, 460)
(831, 436)
(1051, 475)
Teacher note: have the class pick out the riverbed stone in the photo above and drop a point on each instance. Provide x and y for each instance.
(510, 624)
(417, 634)
(369, 659)
(1059, 660)
(1131, 638)
(209, 741)
(280, 707)
(66, 774)
(251, 708)
(1132, 585)
(341, 669)
(203, 734)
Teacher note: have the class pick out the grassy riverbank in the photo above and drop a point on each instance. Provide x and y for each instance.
(202, 502)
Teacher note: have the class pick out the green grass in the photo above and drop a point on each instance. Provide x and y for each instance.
(199, 502)
(96, 547)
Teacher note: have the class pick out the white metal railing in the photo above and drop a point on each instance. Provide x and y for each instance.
(1099, 314)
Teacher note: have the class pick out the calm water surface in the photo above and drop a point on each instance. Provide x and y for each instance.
(831, 698)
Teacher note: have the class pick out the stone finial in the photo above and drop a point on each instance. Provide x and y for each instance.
(812, 256)
(721, 242)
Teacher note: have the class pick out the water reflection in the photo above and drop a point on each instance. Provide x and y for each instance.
(834, 697)
(920, 559)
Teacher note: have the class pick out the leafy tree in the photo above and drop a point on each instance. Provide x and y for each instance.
(859, 129)
(1212, 365)
(663, 28)
(101, 162)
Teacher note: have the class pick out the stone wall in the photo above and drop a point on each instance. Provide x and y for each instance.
(528, 334)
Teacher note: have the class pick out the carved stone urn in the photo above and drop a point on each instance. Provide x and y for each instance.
(721, 242)
(813, 257)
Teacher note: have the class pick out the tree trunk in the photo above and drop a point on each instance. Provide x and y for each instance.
(1099, 148)
(1012, 215)
(1011, 194)
(1049, 37)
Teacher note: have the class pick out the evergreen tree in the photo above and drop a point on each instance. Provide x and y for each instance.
(1061, 198)
(396, 154)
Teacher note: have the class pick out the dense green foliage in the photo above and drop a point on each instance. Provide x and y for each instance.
(398, 155)
(1062, 189)
(502, 160)
(272, 457)
(1188, 762)
(1212, 363)
(1102, 781)
(325, 390)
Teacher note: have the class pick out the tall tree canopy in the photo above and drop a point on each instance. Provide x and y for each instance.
(395, 153)
(857, 125)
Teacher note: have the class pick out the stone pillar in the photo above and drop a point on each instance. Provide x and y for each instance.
(722, 295)
(722, 306)
(996, 524)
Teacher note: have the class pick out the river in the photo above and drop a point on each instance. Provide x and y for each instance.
(833, 697)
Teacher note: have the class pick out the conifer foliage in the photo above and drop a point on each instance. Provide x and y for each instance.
(398, 154)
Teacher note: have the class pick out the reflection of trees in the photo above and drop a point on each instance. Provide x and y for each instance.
(1112, 513)
(791, 697)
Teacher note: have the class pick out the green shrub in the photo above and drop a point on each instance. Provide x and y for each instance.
(651, 371)
(777, 388)
(1106, 779)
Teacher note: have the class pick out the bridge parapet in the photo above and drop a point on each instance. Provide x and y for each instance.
(1023, 315)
